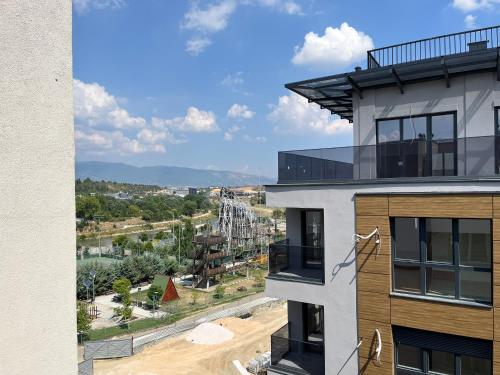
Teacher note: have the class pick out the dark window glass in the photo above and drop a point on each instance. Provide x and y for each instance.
(441, 362)
(313, 228)
(443, 127)
(409, 356)
(440, 282)
(415, 128)
(475, 242)
(388, 131)
(407, 278)
(439, 240)
(475, 285)
(475, 366)
(314, 323)
(407, 238)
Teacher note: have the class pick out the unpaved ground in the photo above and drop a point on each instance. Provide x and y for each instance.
(177, 356)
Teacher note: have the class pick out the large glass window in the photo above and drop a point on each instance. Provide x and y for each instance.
(425, 352)
(416, 360)
(444, 258)
(417, 146)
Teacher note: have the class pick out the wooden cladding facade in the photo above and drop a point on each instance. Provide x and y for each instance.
(378, 309)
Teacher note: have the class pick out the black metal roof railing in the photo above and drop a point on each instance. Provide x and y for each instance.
(440, 58)
(438, 46)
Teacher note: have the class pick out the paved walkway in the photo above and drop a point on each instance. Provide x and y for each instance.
(106, 306)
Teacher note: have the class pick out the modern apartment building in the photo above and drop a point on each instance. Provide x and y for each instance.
(416, 292)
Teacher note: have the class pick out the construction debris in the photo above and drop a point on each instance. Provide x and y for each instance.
(209, 334)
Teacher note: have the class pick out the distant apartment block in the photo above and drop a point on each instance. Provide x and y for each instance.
(392, 259)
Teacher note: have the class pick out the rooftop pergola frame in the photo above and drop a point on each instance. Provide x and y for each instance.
(458, 54)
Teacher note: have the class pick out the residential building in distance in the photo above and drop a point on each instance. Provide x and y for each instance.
(392, 259)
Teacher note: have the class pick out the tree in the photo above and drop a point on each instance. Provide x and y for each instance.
(160, 235)
(122, 288)
(189, 207)
(143, 237)
(219, 291)
(82, 318)
(155, 293)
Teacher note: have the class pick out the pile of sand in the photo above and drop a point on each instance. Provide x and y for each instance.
(209, 334)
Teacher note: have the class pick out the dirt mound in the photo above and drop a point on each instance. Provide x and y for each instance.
(209, 334)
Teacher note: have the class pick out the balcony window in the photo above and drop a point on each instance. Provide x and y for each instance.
(298, 347)
(443, 258)
(424, 352)
(417, 146)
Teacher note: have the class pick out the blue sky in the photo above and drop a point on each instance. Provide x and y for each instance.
(200, 83)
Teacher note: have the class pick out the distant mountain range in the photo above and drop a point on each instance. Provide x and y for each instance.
(165, 175)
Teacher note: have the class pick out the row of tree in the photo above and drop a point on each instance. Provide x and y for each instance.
(150, 208)
(88, 186)
(137, 269)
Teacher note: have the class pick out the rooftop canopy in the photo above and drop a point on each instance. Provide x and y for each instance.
(441, 57)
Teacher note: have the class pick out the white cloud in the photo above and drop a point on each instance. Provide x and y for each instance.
(229, 134)
(240, 111)
(294, 114)
(472, 5)
(337, 48)
(288, 7)
(257, 139)
(83, 6)
(98, 142)
(94, 106)
(197, 45)
(470, 21)
(214, 18)
(233, 80)
(195, 121)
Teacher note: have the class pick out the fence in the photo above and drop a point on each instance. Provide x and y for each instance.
(108, 349)
(434, 47)
(235, 309)
(86, 367)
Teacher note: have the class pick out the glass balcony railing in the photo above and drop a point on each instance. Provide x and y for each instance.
(472, 157)
(304, 263)
(295, 356)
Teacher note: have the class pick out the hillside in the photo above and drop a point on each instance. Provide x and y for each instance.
(164, 175)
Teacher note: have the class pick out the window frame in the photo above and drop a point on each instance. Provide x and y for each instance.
(428, 140)
(424, 264)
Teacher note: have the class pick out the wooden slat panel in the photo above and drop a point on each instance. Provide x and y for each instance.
(372, 205)
(369, 344)
(497, 324)
(442, 317)
(370, 247)
(496, 295)
(453, 206)
(369, 367)
(374, 306)
(373, 263)
(373, 282)
(496, 273)
(366, 224)
(496, 246)
(496, 354)
(496, 232)
(496, 206)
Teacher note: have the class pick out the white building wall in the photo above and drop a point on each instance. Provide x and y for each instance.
(338, 295)
(472, 96)
(37, 213)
